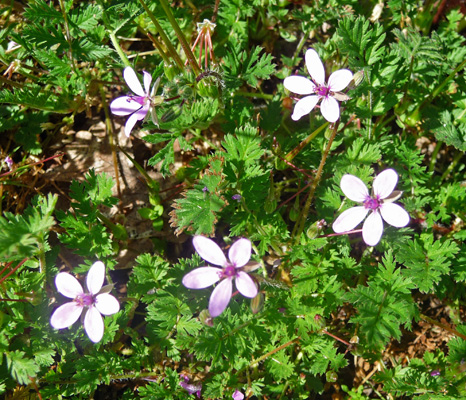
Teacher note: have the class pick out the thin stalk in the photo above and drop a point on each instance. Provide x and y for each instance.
(68, 35)
(440, 87)
(299, 227)
(293, 153)
(267, 355)
(171, 49)
(111, 134)
(158, 46)
(180, 35)
(13, 270)
(254, 95)
(443, 326)
(452, 165)
(113, 37)
(433, 159)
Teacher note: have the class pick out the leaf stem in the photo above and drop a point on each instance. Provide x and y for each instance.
(171, 49)
(299, 227)
(180, 35)
(293, 153)
(443, 326)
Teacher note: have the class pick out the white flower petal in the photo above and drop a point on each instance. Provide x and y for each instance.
(315, 67)
(147, 81)
(132, 81)
(137, 116)
(68, 285)
(246, 285)
(339, 80)
(209, 250)
(299, 85)
(94, 324)
(330, 109)
(385, 182)
(220, 298)
(107, 304)
(349, 219)
(304, 106)
(95, 277)
(372, 229)
(124, 105)
(354, 188)
(240, 252)
(66, 315)
(394, 215)
(202, 277)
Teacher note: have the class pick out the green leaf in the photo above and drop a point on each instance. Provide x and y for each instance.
(21, 367)
(361, 41)
(426, 260)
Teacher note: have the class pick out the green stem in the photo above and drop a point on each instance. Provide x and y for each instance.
(433, 159)
(254, 95)
(443, 326)
(180, 35)
(440, 87)
(452, 165)
(171, 49)
(113, 37)
(299, 227)
(293, 153)
(267, 355)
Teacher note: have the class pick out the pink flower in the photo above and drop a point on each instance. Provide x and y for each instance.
(238, 395)
(200, 278)
(139, 105)
(380, 203)
(316, 89)
(97, 301)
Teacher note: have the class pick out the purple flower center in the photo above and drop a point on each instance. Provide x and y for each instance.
(84, 299)
(229, 271)
(372, 203)
(322, 91)
(138, 99)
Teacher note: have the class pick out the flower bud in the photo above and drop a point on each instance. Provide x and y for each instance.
(257, 303)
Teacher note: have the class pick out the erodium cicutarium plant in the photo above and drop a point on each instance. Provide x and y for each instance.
(200, 278)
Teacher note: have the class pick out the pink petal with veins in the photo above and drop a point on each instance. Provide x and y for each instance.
(240, 252)
(245, 285)
(107, 304)
(315, 67)
(385, 182)
(202, 277)
(66, 315)
(330, 109)
(354, 188)
(209, 250)
(372, 229)
(94, 324)
(132, 81)
(394, 215)
(220, 298)
(68, 285)
(299, 85)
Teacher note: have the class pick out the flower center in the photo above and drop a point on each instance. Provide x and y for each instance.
(84, 299)
(138, 99)
(229, 271)
(322, 91)
(372, 203)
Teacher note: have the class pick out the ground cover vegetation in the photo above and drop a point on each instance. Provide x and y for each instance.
(232, 199)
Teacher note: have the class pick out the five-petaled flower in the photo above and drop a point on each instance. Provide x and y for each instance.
(95, 302)
(317, 89)
(141, 103)
(380, 203)
(200, 278)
